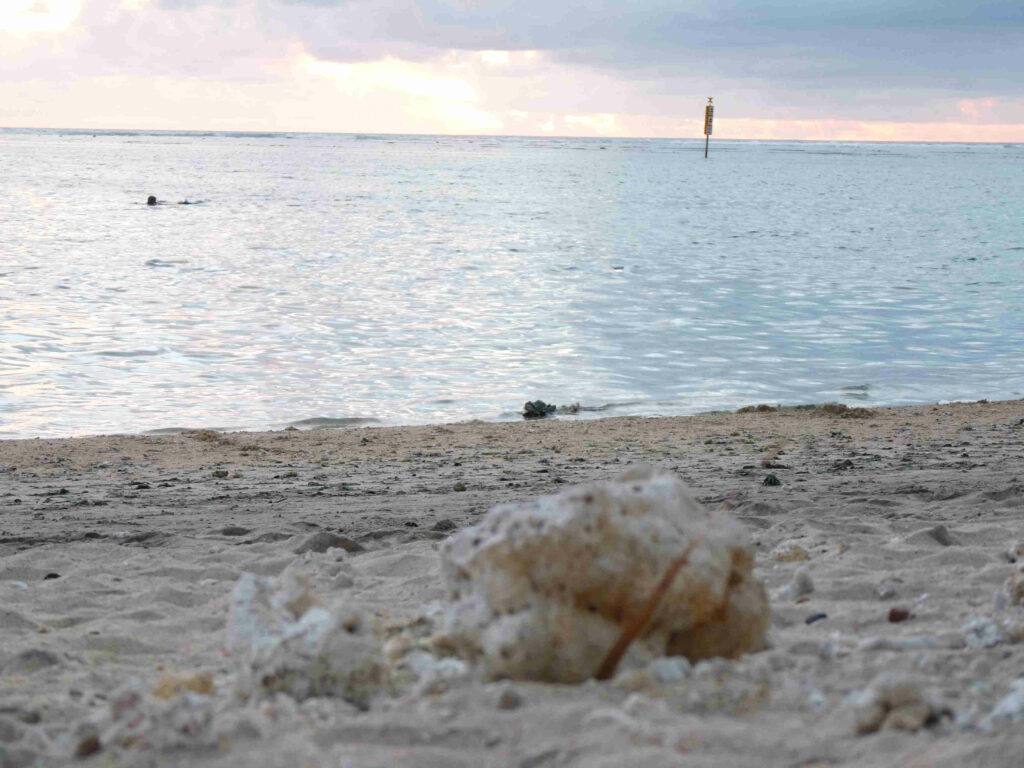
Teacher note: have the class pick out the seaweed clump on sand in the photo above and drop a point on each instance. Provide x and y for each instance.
(537, 409)
(762, 408)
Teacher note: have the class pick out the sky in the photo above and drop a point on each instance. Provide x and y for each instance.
(888, 70)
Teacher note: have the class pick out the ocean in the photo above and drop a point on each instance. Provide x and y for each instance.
(336, 280)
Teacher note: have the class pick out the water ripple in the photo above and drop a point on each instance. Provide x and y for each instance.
(336, 280)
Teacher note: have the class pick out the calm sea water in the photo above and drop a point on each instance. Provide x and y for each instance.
(326, 278)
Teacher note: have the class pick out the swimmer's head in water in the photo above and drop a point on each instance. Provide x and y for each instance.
(151, 200)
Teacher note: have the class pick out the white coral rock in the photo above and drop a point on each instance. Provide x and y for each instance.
(543, 590)
(284, 640)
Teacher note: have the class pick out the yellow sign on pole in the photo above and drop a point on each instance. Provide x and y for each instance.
(709, 117)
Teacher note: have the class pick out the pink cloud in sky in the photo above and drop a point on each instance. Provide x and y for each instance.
(247, 65)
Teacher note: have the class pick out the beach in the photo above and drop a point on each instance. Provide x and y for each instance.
(119, 556)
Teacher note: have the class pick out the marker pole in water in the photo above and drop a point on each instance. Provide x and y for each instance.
(709, 116)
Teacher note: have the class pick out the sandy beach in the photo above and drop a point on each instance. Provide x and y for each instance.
(119, 556)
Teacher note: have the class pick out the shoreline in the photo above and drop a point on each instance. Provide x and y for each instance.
(564, 415)
(119, 555)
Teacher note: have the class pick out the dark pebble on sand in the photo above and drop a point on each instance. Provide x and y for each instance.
(898, 614)
(220, 473)
(459, 487)
(234, 530)
(89, 745)
(815, 617)
(51, 576)
(443, 525)
(771, 480)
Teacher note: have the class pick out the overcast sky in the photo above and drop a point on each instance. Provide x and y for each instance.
(818, 69)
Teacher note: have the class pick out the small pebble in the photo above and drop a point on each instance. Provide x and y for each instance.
(342, 581)
(51, 576)
(459, 487)
(815, 617)
(89, 745)
(887, 590)
(510, 698)
(898, 614)
(800, 586)
(802, 582)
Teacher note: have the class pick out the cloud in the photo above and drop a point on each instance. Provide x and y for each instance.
(894, 35)
(844, 58)
(593, 67)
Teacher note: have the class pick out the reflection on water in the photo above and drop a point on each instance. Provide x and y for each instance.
(329, 280)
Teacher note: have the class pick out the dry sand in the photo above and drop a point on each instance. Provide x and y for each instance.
(118, 556)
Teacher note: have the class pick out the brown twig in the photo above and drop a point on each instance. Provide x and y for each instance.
(632, 631)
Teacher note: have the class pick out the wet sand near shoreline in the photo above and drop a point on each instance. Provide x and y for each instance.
(118, 555)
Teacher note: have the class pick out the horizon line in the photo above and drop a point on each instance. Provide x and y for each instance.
(256, 132)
